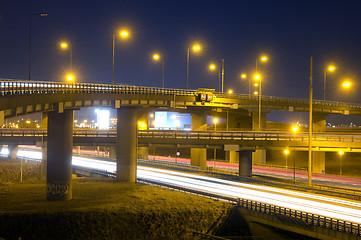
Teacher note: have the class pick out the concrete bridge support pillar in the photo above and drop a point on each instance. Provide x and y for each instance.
(199, 155)
(126, 145)
(319, 162)
(239, 121)
(13, 152)
(59, 155)
(233, 156)
(44, 152)
(255, 121)
(245, 163)
(259, 156)
(44, 120)
(112, 152)
(319, 125)
(2, 119)
(143, 153)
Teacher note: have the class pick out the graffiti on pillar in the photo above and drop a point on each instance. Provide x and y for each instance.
(57, 191)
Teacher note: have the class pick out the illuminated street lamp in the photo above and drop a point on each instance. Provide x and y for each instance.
(31, 16)
(230, 91)
(340, 153)
(213, 67)
(123, 34)
(346, 84)
(286, 152)
(215, 120)
(157, 57)
(195, 48)
(70, 77)
(65, 45)
(263, 59)
(330, 68)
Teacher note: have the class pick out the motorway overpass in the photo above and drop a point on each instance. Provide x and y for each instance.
(57, 101)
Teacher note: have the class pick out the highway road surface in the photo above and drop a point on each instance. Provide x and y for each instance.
(342, 209)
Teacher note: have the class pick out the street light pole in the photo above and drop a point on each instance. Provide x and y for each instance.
(259, 104)
(123, 34)
(330, 68)
(187, 67)
(324, 85)
(195, 49)
(36, 14)
(222, 73)
(156, 57)
(310, 131)
(71, 57)
(113, 58)
(163, 70)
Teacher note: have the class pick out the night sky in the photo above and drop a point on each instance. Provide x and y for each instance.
(288, 32)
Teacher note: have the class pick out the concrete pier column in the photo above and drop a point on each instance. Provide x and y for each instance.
(112, 152)
(2, 119)
(126, 145)
(259, 156)
(319, 125)
(199, 157)
(233, 156)
(143, 153)
(13, 151)
(319, 162)
(59, 155)
(44, 152)
(319, 122)
(245, 163)
(239, 121)
(255, 120)
(44, 120)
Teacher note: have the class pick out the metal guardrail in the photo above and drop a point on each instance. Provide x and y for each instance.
(196, 135)
(19, 87)
(11, 87)
(308, 218)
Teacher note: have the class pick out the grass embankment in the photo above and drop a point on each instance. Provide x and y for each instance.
(104, 209)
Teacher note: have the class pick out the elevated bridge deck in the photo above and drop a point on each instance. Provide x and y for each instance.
(22, 97)
(211, 139)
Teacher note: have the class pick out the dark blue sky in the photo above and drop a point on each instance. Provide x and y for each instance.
(289, 32)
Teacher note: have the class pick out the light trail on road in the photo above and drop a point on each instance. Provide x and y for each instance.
(332, 207)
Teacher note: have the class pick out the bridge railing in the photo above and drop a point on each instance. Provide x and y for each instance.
(13, 87)
(291, 101)
(194, 135)
(309, 218)
(247, 136)
(17, 87)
